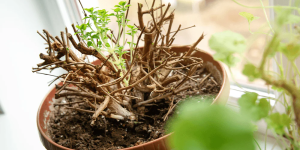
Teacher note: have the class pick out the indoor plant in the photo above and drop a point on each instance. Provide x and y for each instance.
(283, 123)
(125, 85)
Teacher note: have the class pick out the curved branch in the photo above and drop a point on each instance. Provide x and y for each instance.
(84, 94)
(90, 51)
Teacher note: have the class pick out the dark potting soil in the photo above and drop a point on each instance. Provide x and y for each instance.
(71, 128)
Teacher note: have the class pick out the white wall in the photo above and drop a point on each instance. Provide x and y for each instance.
(21, 91)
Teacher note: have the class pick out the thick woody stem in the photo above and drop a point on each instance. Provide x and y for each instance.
(75, 31)
(64, 45)
(170, 80)
(190, 73)
(169, 29)
(42, 36)
(90, 51)
(140, 94)
(57, 38)
(153, 4)
(51, 37)
(143, 78)
(155, 24)
(49, 43)
(183, 29)
(102, 106)
(148, 39)
(111, 38)
(77, 93)
(140, 18)
(68, 52)
(154, 9)
(117, 117)
(161, 97)
(175, 34)
(177, 68)
(192, 48)
(68, 43)
(119, 110)
(163, 16)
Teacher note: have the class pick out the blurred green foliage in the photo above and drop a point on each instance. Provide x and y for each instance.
(201, 126)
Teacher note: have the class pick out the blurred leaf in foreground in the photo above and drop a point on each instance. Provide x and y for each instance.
(201, 126)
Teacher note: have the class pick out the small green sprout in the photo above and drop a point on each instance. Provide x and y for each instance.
(95, 32)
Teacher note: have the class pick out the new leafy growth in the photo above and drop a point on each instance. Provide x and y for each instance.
(97, 33)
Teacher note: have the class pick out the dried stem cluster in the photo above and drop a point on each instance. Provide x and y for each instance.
(103, 88)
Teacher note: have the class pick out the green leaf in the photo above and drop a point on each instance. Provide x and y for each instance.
(248, 16)
(201, 126)
(278, 89)
(89, 43)
(122, 3)
(90, 10)
(95, 36)
(291, 50)
(285, 16)
(130, 26)
(82, 27)
(229, 60)
(107, 44)
(227, 42)
(278, 122)
(99, 43)
(117, 9)
(255, 109)
(85, 17)
(251, 72)
(292, 19)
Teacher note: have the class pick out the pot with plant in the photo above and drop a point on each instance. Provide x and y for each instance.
(282, 117)
(123, 99)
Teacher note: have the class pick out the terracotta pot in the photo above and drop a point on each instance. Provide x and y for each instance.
(158, 144)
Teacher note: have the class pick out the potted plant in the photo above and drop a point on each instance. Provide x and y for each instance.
(283, 123)
(123, 98)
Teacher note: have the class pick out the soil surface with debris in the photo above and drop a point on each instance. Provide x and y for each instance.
(71, 128)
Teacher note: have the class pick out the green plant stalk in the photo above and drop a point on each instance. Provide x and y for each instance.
(281, 74)
(119, 29)
(266, 138)
(282, 139)
(257, 143)
(250, 29)
(295, 75)
(281, 83)
(265, 13)
(131, 46)
(103, 38)
(296, 68)
(124, 29)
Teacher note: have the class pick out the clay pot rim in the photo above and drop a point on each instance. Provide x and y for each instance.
(224, 76)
